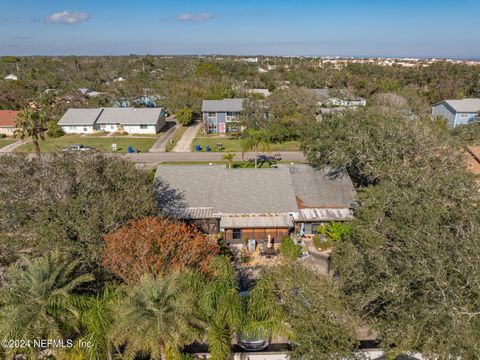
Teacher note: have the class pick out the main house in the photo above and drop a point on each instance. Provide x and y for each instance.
(255, 203)
(7, 122)
(130, 120)
(221, 116)
(457, 112)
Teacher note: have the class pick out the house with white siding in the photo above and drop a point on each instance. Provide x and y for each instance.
(130, 120)
(457, 112)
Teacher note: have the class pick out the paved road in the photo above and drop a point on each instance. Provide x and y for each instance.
(185, 142)
(10, 148)
(161, 144)
(151, 159)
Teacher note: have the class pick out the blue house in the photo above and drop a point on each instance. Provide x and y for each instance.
(222, 116)
(457, 112)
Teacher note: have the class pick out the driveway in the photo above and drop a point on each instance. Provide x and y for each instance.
(161, 144)
(11, 148)
(185, 142)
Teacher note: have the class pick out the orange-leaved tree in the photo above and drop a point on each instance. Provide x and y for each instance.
(155, 245)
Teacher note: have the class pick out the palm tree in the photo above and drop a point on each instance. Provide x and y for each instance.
(229, 158)
(38, 302)
(221, 307)
(156, 318)
(263, 313)
(255, 140)
(31, 124)
(96, 319)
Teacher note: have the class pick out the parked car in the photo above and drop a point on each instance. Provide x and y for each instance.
(78, 147)
(252, 343)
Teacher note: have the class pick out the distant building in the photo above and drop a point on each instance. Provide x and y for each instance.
(255, 203)
(11, 77)
(263, 92)
(342, 99)
(221, 116)
(130, 120)
(7, 122)
(457, 112)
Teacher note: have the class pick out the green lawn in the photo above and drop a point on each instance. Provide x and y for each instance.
(234, 145)
(105, 144)
(4, 142)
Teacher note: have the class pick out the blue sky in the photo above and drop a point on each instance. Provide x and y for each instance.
(441, 28)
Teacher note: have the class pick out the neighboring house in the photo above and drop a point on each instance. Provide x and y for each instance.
(131, 120)
(11, 77)
(80, 121)
(457, 112)
(221, 116)
(344, 99)
(7, 122)
(255, 203)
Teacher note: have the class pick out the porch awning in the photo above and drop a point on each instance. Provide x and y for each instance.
(244, 221)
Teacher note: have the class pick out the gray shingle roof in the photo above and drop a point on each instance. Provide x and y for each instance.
(465, 105)
(130, 116)
(233, 105)
(232, 191)
(319, 189)
(80, 117)
(250, 191)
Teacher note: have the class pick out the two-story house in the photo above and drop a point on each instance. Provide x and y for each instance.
(457, 112)
(222, 116)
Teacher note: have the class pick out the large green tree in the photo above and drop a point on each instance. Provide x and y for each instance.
(410, 263)
(293, 300)
(66, 202)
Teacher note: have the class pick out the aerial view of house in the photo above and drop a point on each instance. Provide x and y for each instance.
(130, 120)
(221, 116)
(7, 122)
(252, 204)
(457, 112)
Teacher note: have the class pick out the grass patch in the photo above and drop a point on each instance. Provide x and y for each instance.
(323, 244)
(104, 144)
(234, 145)
(4, 142)
(174, 139)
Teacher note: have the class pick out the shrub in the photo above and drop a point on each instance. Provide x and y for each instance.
(184, 116)
(154, 246)
(289, 249)
(55, 130)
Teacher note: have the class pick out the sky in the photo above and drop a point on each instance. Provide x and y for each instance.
(400, 28)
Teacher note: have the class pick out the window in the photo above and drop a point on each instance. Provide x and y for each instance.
(212, 114)
(463, 115)
(143, 126)
(85, 129)
(237, 234)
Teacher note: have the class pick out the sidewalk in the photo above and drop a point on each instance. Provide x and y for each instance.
(185, 142)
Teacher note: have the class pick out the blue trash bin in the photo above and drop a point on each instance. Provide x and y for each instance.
(208, 148)
(197, 147)
(130, 149)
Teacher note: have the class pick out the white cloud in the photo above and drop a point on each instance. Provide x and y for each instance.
(67, 17)
(195, 17)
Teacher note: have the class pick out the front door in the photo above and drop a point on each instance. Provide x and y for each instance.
(221, 128)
